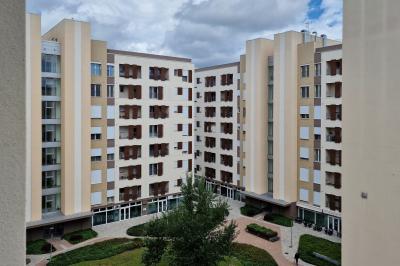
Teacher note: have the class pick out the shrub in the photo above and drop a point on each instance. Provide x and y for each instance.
(80, 236)
(278, 219)
(309, 244)
(96, 251)
(252, 256)
(137, 230)
(250, 210)
(39, 246)
(261, 231)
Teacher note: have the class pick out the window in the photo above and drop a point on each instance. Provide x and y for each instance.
(153, 92)
(304, 132)
(96, 155)
(317, 112)
(198, 81)
(198, 109)
(110, 71)
(110, 91)
(317, 133)
(197, 123)
(110, 112)
(153, 169)
(50, 87)
(305, 71)
(317, 198)
(304, 91)
(95, 136)
(95, 198)
(51, 203)
(95, 133)
(317, 176)
(95, 90)
(96, 177)
(96, 111)
(110, 154)
(317, 155)
(95, 69)
(153, 131)
(304, 174)
(317, 93)
(304, 153)
(303, 194)
(110, 175)
(110, 132)
(317, 70)
(50, 63)
(51, 179)
(304, 112)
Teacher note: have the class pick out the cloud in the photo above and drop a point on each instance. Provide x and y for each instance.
(208, 31)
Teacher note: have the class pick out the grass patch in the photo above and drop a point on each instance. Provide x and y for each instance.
(309, 243)
(278, 219)
(242, 255)
(101, 250)
(261, 231)
(80, 236)
(249, 255)
(250, 210)
(137, 230)
(39, 246)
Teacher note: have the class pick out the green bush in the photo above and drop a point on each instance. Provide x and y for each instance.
(261, 231)
(137, 230)
(39, 246)
(250, 210)
(96, 251)
(309, 244)
(80, 236)
(278, 219)
(250, 255)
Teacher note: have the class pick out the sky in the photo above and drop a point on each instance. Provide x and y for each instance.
(208, 31)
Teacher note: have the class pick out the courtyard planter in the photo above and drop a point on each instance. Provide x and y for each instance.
(261, 231)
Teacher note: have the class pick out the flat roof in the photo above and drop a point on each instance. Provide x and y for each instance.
(155, 56)
(329, 48)
(266, 198)
(218, 66)
(58, 219)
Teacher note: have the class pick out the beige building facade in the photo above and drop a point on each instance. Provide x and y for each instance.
(370, 133)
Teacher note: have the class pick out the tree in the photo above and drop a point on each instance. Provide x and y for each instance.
(195, 233)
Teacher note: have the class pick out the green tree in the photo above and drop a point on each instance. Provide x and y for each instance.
(195, 233)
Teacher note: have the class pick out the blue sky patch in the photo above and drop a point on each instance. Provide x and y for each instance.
(314, 9)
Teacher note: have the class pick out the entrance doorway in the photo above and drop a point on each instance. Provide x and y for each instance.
(162, 205)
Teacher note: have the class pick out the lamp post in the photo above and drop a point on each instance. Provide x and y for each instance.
(51, 238)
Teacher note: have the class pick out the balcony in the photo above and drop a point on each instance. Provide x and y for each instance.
(226, 79)
(130, 111)
(226, 144)
(51, 87)
(334, 112)
(210, 111)
(51, 156)
(333, 179)
(209, 157)
(209, 172)
(210, 81)
(51, 110)
(160, 188)
(130, 193)
(226, 160)
(159, 111)
(130, 132)
(334, 134)
(158, 73)
(130, 172)
(226, 177)
(226, 112)
(130, 71)
(227, 128)
(210, 142)
(156, 150)
(51, 179)
(130, 91)
(210, 96)
(334, 90)
(334, 203)
(227, 96)
(334, 157)
(51, 133)
(334, 67)
(209, 127)
(130, 152)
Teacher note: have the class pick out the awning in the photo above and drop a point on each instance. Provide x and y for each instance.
(266, 198)
(58, 219)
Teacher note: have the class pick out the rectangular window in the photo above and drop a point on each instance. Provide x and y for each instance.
(304, 153)
(317, 155)
(304, 172)
(110, 154)
(304, 112)
(305, 71)
(110, 112)
(110, 71)
(96, 111)
(110, 91)
(96, 177)
(153, 169)
(304, 133)
(305, 92)
(317, 112)
(317, 176)
(153, 92)
(198, 81)
(303, 194)
(95, 198)
(50, 63)
(153, 130)
(95, 90)
(95, 69)
(317, 198)
(317, 70)
(317, 93)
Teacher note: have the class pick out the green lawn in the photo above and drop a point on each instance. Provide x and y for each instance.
(137, 230)
(309, 243)
(98, 251)
(278, 219)
(39, 246)
(79, 236)
(243, 255)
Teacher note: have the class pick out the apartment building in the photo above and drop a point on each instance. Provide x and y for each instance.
(319, 131)
(370, 133)
(217, 144)
(113, 129)
(149, 135)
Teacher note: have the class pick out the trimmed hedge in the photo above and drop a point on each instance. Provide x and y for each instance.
(250, 255)
(80, 236)
(137, 230)
(39, 246)
(250, 210)
(309, 244)
(261, 231)
(96, 251)
(278, 219)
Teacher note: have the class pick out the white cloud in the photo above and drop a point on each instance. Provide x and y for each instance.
(209, 31)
